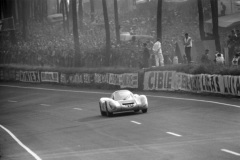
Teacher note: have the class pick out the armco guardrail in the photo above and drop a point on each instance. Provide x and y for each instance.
(152, 80)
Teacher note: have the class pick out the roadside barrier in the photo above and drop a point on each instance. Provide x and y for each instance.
(150, 80)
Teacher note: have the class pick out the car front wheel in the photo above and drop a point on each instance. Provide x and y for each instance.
(144, 110)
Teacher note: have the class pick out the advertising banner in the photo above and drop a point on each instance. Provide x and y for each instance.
(114, 79)
(87, 78)
(63, 78)
(76, 78)
(49, 77)
(29, 76)
(211, 83)
(230, 85)
(129, 80)
(171, 80)
(6, 74)
(159, 80)
(100, 78)
(126, 80)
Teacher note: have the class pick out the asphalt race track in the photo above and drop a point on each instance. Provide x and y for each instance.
(47, 122)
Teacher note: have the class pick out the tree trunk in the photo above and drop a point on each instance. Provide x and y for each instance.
(14, 11)
(92, 10)
(107, 29)
(201, 20)
(117, 26)
(159, 20)
(7, 12)
(80, 12)
(58, 6)
(24, 19)
(214, 8)
(66, 10)
(70, 9)
(75, 34)
(12, 32)
(63, 12)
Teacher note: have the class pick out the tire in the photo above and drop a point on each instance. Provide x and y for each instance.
(108, 114)
(144, 110)
(102, 113)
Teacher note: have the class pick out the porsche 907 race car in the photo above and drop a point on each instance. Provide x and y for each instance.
(123, 100)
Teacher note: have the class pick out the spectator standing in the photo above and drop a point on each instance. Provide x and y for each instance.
(157, 50)
(236, 60)
(238, 35)
(188, 46)
(223, 11)
(146, 56)
(219, 58)
(233, 35)
(205, 57)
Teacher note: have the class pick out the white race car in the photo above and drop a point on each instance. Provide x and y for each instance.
(123, 100)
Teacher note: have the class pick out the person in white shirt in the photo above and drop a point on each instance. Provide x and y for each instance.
(188, 46)
(220, 58)
(157, 50)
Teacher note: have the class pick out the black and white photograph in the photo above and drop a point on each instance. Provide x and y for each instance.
(119, 79)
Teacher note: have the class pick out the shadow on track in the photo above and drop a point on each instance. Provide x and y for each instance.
(115, 115)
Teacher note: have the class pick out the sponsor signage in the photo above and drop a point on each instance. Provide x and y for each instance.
(126, 80)
(114, 79)
(129, 80)
(28, 76)
(63, 78)
(49, 77)
(158, 80)
(75, 78)
(171, 80)
(100, 78)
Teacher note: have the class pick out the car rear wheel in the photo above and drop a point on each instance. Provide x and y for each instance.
(102, 113)
(144, 110)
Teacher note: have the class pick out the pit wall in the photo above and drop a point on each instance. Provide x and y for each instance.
(150, 80)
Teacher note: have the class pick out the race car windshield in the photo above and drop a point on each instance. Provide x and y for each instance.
(123, 95)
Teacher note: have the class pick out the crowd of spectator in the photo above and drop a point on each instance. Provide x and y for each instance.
(233, 44)
(49, 45)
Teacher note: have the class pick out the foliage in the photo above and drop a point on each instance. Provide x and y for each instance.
(210, 68)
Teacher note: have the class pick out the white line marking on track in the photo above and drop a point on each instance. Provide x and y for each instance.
(231, 152)
(21, 144)
(136, 122)
(47, 105)
(197, 100)
(12, 101)
(174, 134)
(89, 92)
(78, 109)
